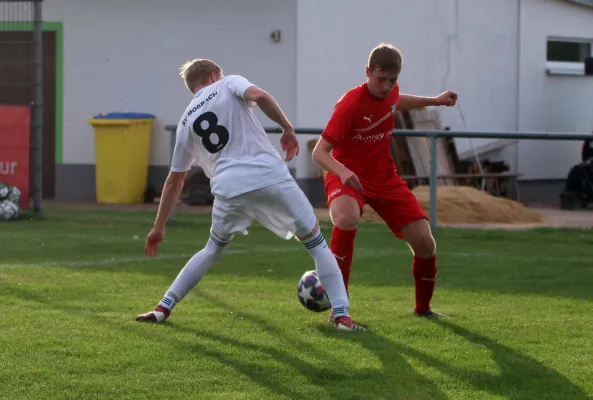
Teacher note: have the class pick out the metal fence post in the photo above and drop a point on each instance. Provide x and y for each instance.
(433, 183)
(172, 139)
(38, 108)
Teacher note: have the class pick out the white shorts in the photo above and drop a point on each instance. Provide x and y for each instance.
(282, 208)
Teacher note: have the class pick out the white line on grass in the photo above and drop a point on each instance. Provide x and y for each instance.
(124, 260)
(360, 252)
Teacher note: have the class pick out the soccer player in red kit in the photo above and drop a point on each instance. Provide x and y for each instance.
(354, 150)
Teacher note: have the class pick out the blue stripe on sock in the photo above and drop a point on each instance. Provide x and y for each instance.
(316, 241)
(339, 311)
(218, 242)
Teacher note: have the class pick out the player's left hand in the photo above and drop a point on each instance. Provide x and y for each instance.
(447, 98)
(154, 238)
(290, 144)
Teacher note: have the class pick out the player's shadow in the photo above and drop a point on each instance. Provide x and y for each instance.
(516, 378)
(516, 367)
(318, 376)
(252, 370)
(391, 385)
(398, 379)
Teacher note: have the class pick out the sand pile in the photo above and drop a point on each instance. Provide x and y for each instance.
(466, 205)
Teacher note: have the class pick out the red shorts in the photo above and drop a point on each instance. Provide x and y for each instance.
(392, 200)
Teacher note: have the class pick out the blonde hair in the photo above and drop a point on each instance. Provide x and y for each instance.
(386, 57)
(197, 71)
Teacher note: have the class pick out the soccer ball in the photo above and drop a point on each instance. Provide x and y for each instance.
(15, 195)
(4, 191)
(311, 294)
(8, 210)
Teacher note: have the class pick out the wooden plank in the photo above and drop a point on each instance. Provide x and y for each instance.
(424, 119)
(400, 149)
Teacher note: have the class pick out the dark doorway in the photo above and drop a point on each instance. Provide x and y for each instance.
(16, 88)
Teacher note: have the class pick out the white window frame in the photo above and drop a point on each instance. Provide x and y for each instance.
(567, 68)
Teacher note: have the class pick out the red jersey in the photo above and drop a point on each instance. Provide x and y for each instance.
(359, 131)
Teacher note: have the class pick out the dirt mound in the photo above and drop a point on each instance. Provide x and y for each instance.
(466, 205)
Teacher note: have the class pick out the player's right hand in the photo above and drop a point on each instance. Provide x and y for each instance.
(154, 238)
(349, 178)
(289, 143)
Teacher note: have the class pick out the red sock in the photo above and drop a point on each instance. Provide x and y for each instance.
(424, 271)
(342, 245)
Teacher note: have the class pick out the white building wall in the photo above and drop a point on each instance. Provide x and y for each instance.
(124, 55)
(469, 46)
(552, 103)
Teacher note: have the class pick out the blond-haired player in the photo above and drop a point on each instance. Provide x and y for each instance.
(248, 178)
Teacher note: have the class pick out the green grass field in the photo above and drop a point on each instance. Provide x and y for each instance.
(521, 323)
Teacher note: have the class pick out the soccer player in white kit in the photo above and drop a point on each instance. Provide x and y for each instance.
(248, 178)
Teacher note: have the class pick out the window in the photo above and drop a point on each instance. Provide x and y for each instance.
(568, 51)
(567, 56)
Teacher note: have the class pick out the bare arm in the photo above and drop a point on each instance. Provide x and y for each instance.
(410, 102)
(323, 158)
(171, 192)
(268, 105)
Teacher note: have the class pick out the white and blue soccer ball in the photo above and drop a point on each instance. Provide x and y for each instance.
(4, 191)
(15, 195)
(8, 210)
(312, 294)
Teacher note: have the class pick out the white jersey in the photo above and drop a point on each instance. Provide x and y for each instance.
(219, 131)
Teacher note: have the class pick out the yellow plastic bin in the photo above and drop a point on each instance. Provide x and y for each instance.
(122, 147)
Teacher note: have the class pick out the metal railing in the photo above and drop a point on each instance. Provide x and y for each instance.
(434, 135)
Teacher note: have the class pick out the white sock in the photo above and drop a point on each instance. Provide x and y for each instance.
(329, 274)
(194, 271)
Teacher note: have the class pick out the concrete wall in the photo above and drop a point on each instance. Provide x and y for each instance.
(471, 46)
(125, 56)
(447, 44)
(552, 103)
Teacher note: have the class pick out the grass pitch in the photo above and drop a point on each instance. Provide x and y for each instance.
(71, 283)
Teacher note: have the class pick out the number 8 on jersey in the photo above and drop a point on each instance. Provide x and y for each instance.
(212, 128)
